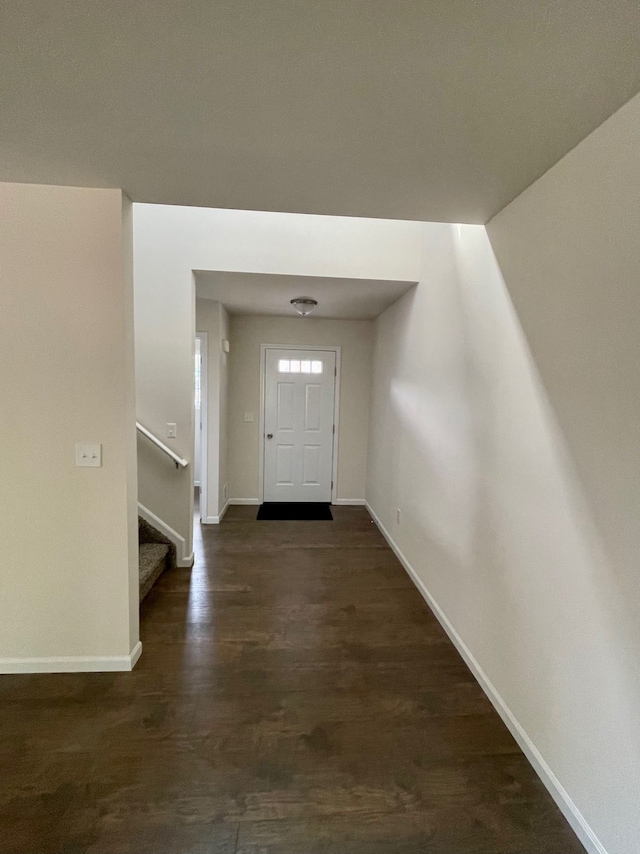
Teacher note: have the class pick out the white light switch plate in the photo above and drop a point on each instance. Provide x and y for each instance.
(172, 431)
(89, 455)
(248, 416)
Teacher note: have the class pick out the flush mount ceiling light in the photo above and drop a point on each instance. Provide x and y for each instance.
(304, 305)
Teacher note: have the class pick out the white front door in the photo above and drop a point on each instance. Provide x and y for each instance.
(298, 422)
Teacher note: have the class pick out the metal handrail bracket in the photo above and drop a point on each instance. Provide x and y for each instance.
(179, 461)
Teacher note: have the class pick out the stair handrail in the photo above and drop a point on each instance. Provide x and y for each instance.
(179, 461)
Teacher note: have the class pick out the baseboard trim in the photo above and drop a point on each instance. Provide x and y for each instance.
(73, 664)
(182, 559)
(215, 520)
(245, 501)
(350, 502)
(135, 654)
(577, 821)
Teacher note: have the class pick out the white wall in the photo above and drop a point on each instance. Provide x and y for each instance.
(355, 337)
(569, 249)
(171, 242)
(515, 460)
(69, 569)
(213, 318)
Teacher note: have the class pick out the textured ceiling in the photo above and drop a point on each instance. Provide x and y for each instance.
(414, 109)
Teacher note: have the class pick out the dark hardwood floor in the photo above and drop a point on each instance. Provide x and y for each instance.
(294, 696)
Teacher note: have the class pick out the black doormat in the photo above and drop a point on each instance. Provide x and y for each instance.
(294, 511)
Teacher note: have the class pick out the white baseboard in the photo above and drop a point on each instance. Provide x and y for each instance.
(215, 520)
(72, 664)
(135, 654)
(182, 559)
(578, 823)
(245, 501)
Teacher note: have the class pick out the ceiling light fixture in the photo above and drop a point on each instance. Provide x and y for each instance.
(304, 305)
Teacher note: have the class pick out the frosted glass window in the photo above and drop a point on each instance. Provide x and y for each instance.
(297, 366)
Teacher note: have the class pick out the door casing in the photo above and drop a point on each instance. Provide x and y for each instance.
(336, 408)
(204, 417)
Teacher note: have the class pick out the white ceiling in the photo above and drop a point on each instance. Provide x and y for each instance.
(261, 293)
(414, 109)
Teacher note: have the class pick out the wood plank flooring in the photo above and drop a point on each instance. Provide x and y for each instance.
(294, 696)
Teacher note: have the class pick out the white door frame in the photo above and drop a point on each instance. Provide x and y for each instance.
(204, 415)
(336, 408)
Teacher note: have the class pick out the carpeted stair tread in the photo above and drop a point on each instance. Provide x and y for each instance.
(153, 561)
(148, 534)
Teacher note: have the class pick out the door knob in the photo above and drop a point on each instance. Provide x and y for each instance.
(269, 435)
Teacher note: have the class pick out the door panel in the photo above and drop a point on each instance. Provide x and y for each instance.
(311, 463)
(285, 403)
(299, 410)
(284, 464)
(313, 407)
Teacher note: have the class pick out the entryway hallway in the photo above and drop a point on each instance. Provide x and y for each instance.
(295, 696)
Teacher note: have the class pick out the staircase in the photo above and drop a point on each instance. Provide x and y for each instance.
(156, 553)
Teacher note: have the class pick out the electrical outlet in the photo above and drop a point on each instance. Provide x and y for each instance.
(398, 515)
(248, 416)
